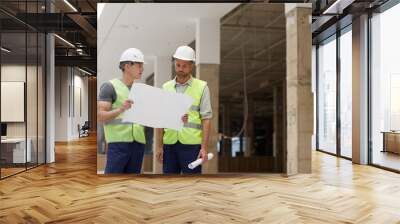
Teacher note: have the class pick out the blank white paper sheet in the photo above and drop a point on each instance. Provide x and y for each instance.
(157, 108)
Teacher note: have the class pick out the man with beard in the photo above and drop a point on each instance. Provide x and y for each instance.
(176, 149)
(126, 141)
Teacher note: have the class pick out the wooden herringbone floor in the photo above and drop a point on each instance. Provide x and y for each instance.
(69, 191)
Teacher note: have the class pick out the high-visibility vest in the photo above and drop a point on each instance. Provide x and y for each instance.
(116, 130)
(192, 132)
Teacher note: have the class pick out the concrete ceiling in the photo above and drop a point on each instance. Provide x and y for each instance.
(23, 48)
(252, 37)
(156, 29)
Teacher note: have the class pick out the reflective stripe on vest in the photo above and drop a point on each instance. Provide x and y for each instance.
(193, 125)
(116, 130)
(191, 132)
(118, 121)
(195, 108)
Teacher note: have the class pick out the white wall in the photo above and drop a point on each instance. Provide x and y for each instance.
(13, 73)
(385, 71)
(67, 116)
(33, 127)
(61, 103)
(80, 83)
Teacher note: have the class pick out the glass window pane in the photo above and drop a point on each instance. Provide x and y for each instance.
(327, 96)
(31, 96)
(385, 89)
(13, 85)
(314, 90)
(346, 94)
(22, 88)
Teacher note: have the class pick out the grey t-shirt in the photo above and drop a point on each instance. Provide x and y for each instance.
(107, 92)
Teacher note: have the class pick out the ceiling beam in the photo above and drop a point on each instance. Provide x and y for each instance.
(49, 22)
(91, 5)
(234, 12)
(239, 60)
(82, 61)
(253, 28)
(84, 24)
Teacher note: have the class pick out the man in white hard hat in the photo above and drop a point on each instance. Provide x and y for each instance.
(177, 149)
(126, 141)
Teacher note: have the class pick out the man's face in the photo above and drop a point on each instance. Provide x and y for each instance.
(183, 68)
(135, 70)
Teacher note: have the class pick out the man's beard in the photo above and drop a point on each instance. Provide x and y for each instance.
(182, 75)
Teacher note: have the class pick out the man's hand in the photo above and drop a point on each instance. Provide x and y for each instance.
(203, 154)
(126, 105)
(185, 118)
(159, 154)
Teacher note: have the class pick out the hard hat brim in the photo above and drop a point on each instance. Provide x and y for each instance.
(135, 62)
(182, 58)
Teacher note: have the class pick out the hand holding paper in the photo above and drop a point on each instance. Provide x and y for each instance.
(185, 118)
(127, 105)
(197, 162)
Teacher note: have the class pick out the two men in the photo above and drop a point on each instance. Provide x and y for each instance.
(126, 141)
(174, 149)
(177, 149)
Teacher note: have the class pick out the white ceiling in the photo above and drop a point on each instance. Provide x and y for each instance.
(155, 28)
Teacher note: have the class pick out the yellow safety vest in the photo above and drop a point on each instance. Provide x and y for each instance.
(192, 132)
(117, 131)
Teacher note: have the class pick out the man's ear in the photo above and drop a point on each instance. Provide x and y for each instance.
(125, 65)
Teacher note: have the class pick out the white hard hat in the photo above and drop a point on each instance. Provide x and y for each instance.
(133, 55)
(185, 53)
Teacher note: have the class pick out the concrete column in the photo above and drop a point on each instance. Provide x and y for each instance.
(207, 65)
(227, 130)
(249, 129)
(50, 92)
(162, 73)
(299, 98)
(50, 95)
(207, 41)
(360, 90)
(210, 74)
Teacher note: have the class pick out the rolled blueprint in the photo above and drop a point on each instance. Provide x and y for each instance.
(197, 162)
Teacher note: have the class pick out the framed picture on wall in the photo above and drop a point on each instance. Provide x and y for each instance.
(12, 101)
